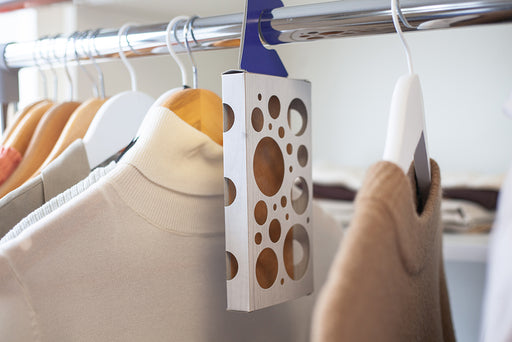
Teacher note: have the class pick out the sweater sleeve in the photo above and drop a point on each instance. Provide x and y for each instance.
(17, 318)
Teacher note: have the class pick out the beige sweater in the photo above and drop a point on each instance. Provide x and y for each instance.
(387, 281)
(140, 255)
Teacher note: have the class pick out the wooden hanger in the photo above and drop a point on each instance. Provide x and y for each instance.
(75, 128)
(16, 120)
(44, 138)
(200, 108)
(19, 139)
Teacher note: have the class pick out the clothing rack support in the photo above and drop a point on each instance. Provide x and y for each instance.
(9, 88)
(347, 18)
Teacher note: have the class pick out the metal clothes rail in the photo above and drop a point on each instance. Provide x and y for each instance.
(347, 18)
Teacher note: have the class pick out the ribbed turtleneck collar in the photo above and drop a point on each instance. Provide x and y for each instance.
(174, 155)
(173, 176)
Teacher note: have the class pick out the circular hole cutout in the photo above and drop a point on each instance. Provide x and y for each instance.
(296, 252)
(228, 117)
(302, 155)
(287, 216)
(257, 119)
(307, 220)
(275, 206)
(289, 148)
(229, 192)
(260, 212)
(231, 266)
(274, 230)
(268, 166)
(282, 281)
(266, 268)
(274, 107)
(259, 97)
(257, 238)
(300, 195)
(297, 117)
(281, 132)
(270, 126)
(283, 201)
(291, 168)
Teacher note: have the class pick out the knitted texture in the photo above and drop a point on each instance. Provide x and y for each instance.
(58, 201)
(387, 281)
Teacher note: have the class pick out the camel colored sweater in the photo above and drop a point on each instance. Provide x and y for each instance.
(387, 281)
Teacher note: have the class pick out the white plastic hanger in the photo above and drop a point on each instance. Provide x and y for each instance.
(117, 121)
(407, 135)
(171, 28)
(88, 52)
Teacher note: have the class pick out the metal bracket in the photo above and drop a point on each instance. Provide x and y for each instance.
(9, 87)
(254, 56)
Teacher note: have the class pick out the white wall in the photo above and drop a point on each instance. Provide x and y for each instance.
(466, 75)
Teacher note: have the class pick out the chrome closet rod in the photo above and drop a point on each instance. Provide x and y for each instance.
(347, 18)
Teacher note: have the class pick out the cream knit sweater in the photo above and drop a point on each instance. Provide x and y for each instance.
(139, 256)
(387, 282)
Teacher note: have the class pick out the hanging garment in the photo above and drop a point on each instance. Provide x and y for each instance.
(68, 169)
(139, 256)
(9, 160)
(497, 312)
(387, 281)
(58, 201)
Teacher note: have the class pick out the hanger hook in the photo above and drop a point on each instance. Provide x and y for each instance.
(403, 18)
(66, 67)
(39, 70)
(50, 65)
(101, 80)
(80, 37)
(123, 31)
(172, 27)
(186, 30)
(396, 22)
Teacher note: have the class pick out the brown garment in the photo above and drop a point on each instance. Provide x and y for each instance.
(387, 280)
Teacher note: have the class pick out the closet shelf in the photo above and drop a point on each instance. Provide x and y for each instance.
(465, 247)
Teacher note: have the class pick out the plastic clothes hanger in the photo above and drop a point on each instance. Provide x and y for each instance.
(171, 27)
(18, 117)
(81, 118)
(117, 121)
(43, 140)
(407, 135)
(200, 108)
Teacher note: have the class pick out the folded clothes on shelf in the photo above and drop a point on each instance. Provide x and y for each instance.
(458, 216)
(341, 183)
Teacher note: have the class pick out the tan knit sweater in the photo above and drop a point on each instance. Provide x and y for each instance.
(387, 281)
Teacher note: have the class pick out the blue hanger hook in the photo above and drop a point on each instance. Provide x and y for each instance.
(255, 57)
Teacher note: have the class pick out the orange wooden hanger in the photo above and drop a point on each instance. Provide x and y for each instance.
(16, 120)
(21, 135)
(200, 108)
(75, 128)
(44, 138)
